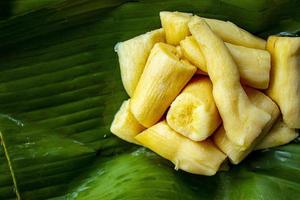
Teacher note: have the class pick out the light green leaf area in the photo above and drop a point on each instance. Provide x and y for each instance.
(60, 88)
(134, 175)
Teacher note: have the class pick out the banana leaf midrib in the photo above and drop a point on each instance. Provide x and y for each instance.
(15, 186)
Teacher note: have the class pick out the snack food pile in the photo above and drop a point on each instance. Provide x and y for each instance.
(202, 91)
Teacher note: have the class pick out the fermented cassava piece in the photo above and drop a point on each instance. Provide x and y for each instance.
(253, 64)
(192, 52)
(175, 25)
(285, 77)
(280, 134)
(242, 120)
(194, 157)
(232, 150)
(133, 55)
(124, 125)
(163, 78)
(229, 32)
(193, 113)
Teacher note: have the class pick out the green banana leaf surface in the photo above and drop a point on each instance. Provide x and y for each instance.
(60, 87)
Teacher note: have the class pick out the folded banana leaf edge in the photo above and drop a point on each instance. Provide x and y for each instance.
(60, 87)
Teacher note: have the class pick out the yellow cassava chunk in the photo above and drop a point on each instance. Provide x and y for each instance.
(124, 125)
(163, 78)
(193, 113)
(229, 32)
(280, 134)
(254, 65)
(242, 120)
(233, 151)
(285, 77)
(133, 55)
(192, 52)
(194, 157)
(175, 25)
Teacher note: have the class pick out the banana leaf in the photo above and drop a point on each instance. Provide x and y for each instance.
(147, 175)
(273, 174)
(60, 87)
(28, 151)
(23, 6)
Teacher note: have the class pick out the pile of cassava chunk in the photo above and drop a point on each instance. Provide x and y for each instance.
(203, 90)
